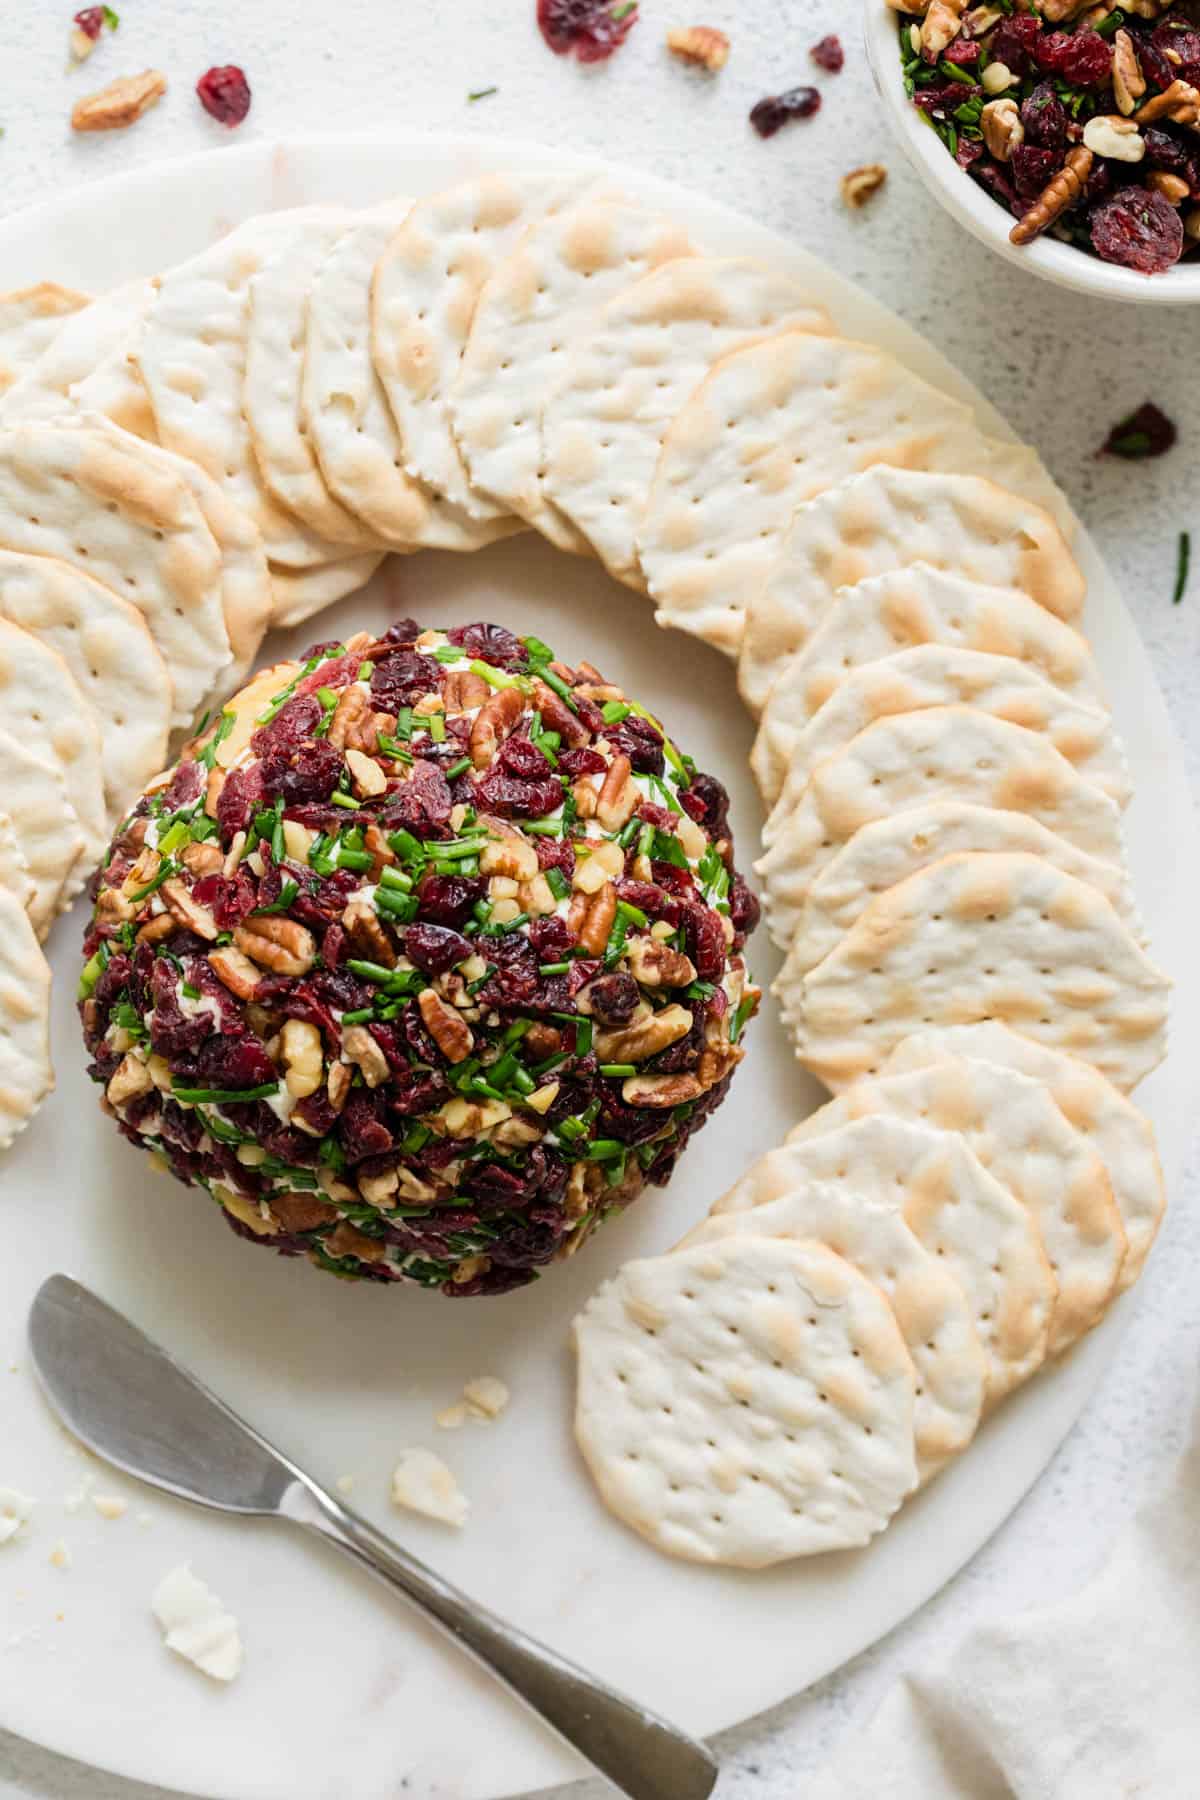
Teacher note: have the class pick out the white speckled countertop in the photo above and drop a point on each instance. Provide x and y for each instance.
(1063, 368)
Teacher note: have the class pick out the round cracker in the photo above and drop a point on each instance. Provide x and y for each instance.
(943, 675)
(82, 342)
(772, 427)
(632, 368)
(868, 1230)
(26, 1073)
(983, 1236)
(191, 357)
(114, 661)
(886, 852)
(746, 1402)
(82, 498)
(14, 871)
(272, 391)
(982, 936)
(545, 292)
(349, 422)
(423, 297)
(1123, 1136)
(1022, 1138)
(943, 753)
(300, 593)
(886, 519)
(42, 707)
(47, 829)
(30, 320)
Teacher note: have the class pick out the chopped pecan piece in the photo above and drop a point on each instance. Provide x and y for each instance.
(1129, 84)
(202, 859)
(660, 1091)
(508, 852)
(351, 710)
(188, 912)
(861, 185)
(367, 935)
(281, 945)
(348, 1240)
(658, 965)
(618, 795)
(119, 104)
(236, 971)
(493, 723)
(645, 1037)
(1062, 192)
(1002, 129)
(369, 779)
(360, 1048)
(557, 716)
(702, 44)
(464, 691)
(303, 1058)
(1180, 103)
(338, 1085)
(131, 1079)
(301, 1212)
(446, 1026)
(156, 929)
(212, 790)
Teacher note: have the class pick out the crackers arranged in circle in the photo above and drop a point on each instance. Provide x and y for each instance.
(746, 1401)
(26, 1072)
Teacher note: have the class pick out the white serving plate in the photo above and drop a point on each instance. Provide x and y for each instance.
(343, 1693)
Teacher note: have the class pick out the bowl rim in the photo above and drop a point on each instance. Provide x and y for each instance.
(979, 214)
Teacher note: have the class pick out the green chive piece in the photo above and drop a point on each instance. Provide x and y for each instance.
(496, 677)
(164, 874)
(373, 972)
(360, 1017)
(459, 768)
(618, 1071)
(558, 968)
(559, 686)
(90, 974)
(406, 846)
(223, 1096)
(396, 878)
(1183, 568)
(437, 727)
(614, 711)
(171, 840)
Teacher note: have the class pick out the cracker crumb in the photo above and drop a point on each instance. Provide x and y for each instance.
(196, 1626)
(110, 1506)
(486, 1397)
(16, 1510)
(422, 1483)
(60, 1556)
(451, 1417)
(345, 1484)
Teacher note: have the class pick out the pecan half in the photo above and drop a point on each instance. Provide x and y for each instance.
(557, 716)
(1180, 103)
(660, 1091)
(463, 691)
(156, 929)
(658, 965)
(212, 790)
(1129, 84)
(702, 44)
(352, 708)
(202, 859)
(369, 779)
(303, 1058)
(618, 795)
(348, 1240)
(132, 1078)
(597, 915)
(188, 912)
(1062, 192)
(1002, 129)
(366, 933)
(493, 723)
(361, 1049)
(236, 971)
(301, 1212)
(119, 104)
(644, 1038)
(338, 1085)
(446, 1026)
(281, 945)
(508, 852)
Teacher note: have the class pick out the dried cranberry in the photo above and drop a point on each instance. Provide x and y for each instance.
(994, 178)
(319, 903)
(573, 763)
(773, 113)
(1013, 43)
(514, 979)
(90, 21)
(317, 1113)
(588, 29)
(228, 898)
(290, 726)
(527, 1246)
(1100, 183)
(614, 998)
(660, 817)
(1147, 432)
(520, 757)
(509, 798)
(229, 1062)
(556, 853)
(225, 93)
(414, 1093)
(1034, 169)
(944, 98)
(744, 907)
(241, 796)
(685, 1053)
(1083, 58)
(969, 152)
(1164, 151)
(1045, 118)
(628, 1124)
(303, 773)
(641, 742)
(435, 948)
(491, 644)
(829, 55)
(650, 898)
(450, 899)
(401, 678)
(362, 1127)
(551, 938)
(964, 52)
(705, 939)
(707, 802)
(1138, 230)
(1177, 38)
(404, 631)
(173, 1033)
(423, 803)
(1159, 71)
(186, 785)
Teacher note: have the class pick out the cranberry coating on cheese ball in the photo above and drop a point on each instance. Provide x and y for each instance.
(424, 958)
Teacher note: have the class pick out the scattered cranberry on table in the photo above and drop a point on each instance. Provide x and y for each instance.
(590, 30)
(225, 93)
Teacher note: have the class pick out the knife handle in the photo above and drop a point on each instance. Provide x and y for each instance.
(641, 1754)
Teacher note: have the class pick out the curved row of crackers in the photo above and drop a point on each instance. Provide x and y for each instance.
(839, 1327)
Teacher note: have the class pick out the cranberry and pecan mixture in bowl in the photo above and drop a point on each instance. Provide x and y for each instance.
(426, 956)
(1081, 119)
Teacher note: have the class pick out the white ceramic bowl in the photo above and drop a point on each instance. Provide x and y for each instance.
(973, 207)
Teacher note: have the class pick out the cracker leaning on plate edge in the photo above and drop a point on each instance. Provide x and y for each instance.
(238, 442)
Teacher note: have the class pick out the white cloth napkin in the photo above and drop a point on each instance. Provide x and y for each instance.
(1096, 1698)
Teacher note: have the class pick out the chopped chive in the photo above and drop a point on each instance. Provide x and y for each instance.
(542, 827)
(354, 859)
(223, 1096)
(571, 1129)
(628, 832)
(618, 1071)
(396, 878)
(90, 974)
(516, 1031)
(188, 991)
(583, 1036)
(164, 874)
(369, 971)
(614, 711)
(558, 884)
(551, 1062)
(601, 1149)
(447, 653)
(346, 800)
(482, 94)
(360, 1017)
(1183, 567)
(558, 968)
(456, 848)
(742, 1017)
(365, 671)
(496, 677)
(523, 1081)
(437, 727)
(458, 768)
(287, 894)
(406, 846)
(633, 914)
(171, 840)
(403, 907)
(559, 686)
